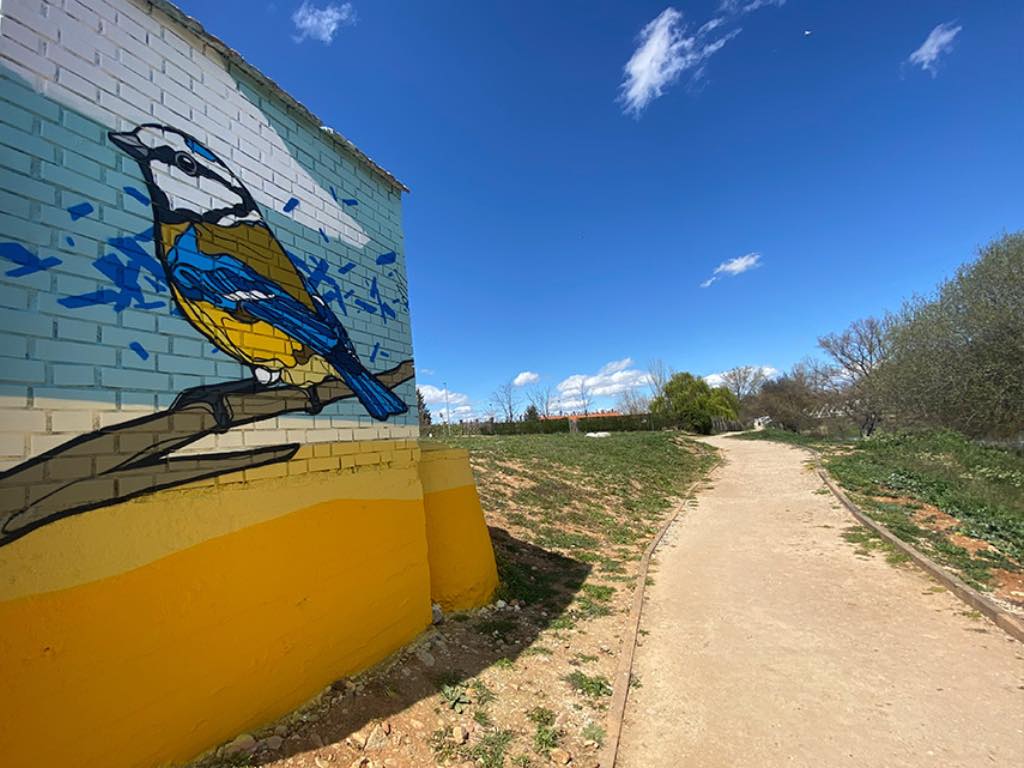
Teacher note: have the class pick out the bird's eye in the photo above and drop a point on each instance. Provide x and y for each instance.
(186, 163)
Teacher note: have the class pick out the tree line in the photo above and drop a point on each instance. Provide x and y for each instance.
(953, 359)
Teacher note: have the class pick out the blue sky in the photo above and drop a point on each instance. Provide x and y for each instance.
(568, 214)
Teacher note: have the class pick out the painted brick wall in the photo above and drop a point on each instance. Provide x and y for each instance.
(90, 335)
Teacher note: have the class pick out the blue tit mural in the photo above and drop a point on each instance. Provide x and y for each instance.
(231, 277)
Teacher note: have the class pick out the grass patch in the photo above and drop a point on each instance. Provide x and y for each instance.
(595, 733)
(591, 686)
(546, 736)
(868, 542)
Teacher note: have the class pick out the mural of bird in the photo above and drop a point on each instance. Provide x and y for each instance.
(232, 279)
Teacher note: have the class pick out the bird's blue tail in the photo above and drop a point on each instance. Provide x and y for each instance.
(376, 398)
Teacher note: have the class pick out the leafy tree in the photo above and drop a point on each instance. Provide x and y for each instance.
(421, 406)
(531, 413)
(956, 360)
(693, 404)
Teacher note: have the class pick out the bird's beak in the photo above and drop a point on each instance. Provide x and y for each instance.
(129, 142)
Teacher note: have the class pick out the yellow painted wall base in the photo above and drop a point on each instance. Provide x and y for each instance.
(260, 594)
(463, 574)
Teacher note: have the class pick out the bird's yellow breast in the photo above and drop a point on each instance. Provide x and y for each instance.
(256, 343)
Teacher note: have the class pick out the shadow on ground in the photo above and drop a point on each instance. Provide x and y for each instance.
(542, 582)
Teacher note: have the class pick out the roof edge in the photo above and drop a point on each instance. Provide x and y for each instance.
(193, 26)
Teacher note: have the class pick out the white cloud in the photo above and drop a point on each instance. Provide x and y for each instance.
(457, 407)
(612, 379)
(524, 378)
(716, 380)
(322, 23)
(741, 7)
(733, 267)
(665, 51)
(938, 42)
(436, 396)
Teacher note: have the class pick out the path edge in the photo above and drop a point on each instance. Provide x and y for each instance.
(624, 672)
(979, 602)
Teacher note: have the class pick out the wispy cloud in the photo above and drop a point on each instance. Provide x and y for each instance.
(939, 42)
(733, 267)
(322, 23)
(747, 6)
(664, 51)
(612, 379)
(525, 377)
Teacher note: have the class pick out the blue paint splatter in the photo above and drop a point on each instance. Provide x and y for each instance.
(334, 194)
(384, 354)
(348, 294)
(133, 192)
(385, 309)
(28, 263)
(376, 349)
(318, 276)
(124, 272)
(350, 201)
(366, 307)
(324, 235)
(200, 150)
(80, 210)
(347, 268)
(139, 350)
(70, 241)
(387, 258)
(291, 205)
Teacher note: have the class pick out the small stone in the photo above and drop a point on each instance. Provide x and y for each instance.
(501, 605)
(416, 724)
(436, 613)
(244, 742)
(357, 740)
(320, 762)
(280, 730)
(459, 734)
(425, 656)
(377, 739)
(317, 741)
(272, 743)
(359, 762)
(385, 726)
(560, 756)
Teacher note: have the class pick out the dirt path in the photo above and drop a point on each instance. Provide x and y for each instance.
(771, 642)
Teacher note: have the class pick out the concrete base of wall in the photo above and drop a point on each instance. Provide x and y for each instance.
(144, 633)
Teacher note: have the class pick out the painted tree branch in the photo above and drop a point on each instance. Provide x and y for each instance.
(120, 462)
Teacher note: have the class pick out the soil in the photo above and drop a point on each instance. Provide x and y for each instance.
(771, 642)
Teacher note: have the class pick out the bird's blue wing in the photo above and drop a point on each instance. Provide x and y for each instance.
(230, 285)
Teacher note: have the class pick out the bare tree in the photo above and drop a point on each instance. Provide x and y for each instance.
(542, 399)
(584, 395)
(633, 402)
(658, 375)
(506, 399)
(744, 381)
(860, 348)
(858, 352)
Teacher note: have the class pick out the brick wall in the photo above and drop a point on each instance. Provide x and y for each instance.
(91, 336)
